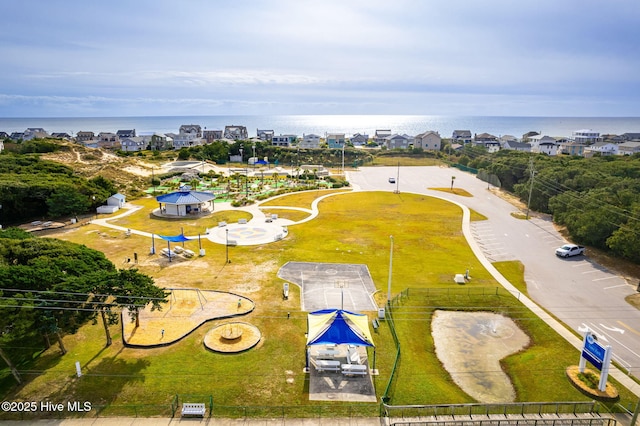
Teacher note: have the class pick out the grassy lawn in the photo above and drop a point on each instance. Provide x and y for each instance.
(429, 249)
(381, 160)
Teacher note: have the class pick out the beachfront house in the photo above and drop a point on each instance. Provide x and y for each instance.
(189, 135)
(35, 133)
(135, 143)
(122, 134)
(381, 135)
(586, 136)
(265, 135)
(310, 141)
(191, 129)
(630, 137)
(283, 140)
(398, 141)
(108, 140)
(542, 144)
(507, 138)
(487, 140)
(527, 136)
(236, 133)
(16, 136)
(516, 146)
(211, 135)
(161, 142)
(82, 136)
(462, 137)
(359, 139)
(628, 148)
(61, 135)
(429, 141)
(572, 148)
(335, 140)
(602, 148)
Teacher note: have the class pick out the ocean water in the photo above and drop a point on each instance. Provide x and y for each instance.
(322, 124)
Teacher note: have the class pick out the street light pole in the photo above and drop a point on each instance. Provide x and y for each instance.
(227, 245)
(390, 271)
(254, 156)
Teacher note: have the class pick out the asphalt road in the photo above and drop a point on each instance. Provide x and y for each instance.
(577, 291)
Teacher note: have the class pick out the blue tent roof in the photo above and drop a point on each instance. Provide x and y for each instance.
(338, 327)
(186, 197)
(174, 239)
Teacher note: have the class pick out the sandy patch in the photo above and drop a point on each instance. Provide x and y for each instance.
(185, 311)
(470, 345)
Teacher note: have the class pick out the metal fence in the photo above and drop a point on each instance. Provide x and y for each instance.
(505, 409)
(575, 421)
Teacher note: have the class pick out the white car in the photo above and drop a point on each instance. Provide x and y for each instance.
(392, 180)
(569, 250)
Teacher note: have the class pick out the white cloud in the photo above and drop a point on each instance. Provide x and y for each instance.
(346, 55)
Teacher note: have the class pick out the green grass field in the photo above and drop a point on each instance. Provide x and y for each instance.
(429, 249)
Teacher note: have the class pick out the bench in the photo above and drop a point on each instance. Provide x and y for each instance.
(323, 365)
(188, 253)
(285, 291)
(178, 249)
(193, 409)
(167, 252)
(354, 370)
(232, 243)
(242, 221)
(375, 324)
(328, 353)
(222, 224)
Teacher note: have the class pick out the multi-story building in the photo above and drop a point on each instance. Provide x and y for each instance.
(310, 141)
(586, 136)
(236, 133)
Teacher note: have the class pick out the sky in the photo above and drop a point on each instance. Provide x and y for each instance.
(567, 58)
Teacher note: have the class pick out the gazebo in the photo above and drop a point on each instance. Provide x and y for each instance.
(185, 201)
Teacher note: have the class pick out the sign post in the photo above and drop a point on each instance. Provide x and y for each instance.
(598, 355)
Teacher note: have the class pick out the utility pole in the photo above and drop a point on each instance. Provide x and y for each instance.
(531, 177)
(390, 270)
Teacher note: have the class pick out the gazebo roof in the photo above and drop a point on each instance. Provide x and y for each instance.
(186, 197)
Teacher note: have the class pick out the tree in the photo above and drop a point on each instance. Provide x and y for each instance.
(134, 291)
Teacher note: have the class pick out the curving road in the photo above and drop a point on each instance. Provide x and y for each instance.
(577, 291)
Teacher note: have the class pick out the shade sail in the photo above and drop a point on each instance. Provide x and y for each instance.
(334, 326)
(174, 239)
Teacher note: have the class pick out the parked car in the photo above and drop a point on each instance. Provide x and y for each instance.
(392, 180)
(569, 250)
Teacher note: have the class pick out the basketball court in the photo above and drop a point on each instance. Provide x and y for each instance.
(331, 285)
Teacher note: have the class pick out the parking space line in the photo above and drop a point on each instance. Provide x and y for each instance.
(614, 286)
(607, 278)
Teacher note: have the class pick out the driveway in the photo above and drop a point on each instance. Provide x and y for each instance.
(577, 291)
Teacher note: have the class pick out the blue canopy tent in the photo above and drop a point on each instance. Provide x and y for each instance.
(339, 327)
(173, 239)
